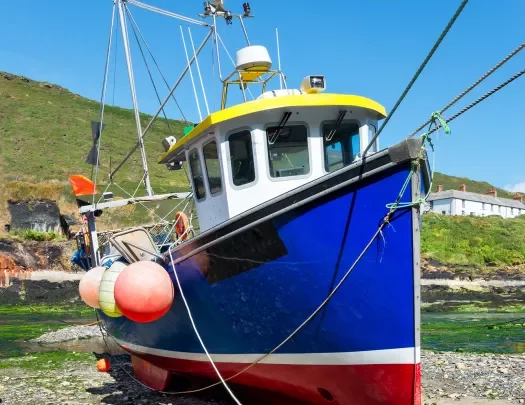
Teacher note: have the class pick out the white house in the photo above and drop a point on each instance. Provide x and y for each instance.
(461, 202)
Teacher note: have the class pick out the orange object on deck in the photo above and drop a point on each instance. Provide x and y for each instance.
(103, 365)
(182, 225)
(82, 185)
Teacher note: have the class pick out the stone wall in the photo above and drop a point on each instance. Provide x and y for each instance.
(43, 216)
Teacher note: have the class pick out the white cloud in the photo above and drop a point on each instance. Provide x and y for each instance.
(520, 187)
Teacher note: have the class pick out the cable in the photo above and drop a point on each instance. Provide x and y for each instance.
(181, 291)
(98, 139)
(472, 86)
(149, 72)
(479, 100)
(418, 72)
(133, 22)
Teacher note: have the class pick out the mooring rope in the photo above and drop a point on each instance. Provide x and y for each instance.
(472, 86)
(418, 72)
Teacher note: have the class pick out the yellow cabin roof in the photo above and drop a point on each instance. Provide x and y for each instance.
(251, 107)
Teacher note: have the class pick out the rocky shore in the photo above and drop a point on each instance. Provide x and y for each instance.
(447, 377)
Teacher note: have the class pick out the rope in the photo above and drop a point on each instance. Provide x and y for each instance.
(485, 96)
(472, 86)
(418, 72)
(199, 336)
(149, 72)
(155, 62)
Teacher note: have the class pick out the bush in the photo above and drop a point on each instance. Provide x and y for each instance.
(38, 236)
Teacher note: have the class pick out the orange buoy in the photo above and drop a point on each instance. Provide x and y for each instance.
(182, 225)
(103, 365)
(89, 286)
(144, 292)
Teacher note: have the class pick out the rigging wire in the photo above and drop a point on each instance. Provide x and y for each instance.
(133, 22)
(472, 86)
(480, 99)
(98, 139)
(418, 72)
(149, 73)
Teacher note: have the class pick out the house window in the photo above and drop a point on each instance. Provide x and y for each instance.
(213, 167)
(462, 203)
(241, 158)
(197, 175)
(444, 212)
(463, 213)
(492, 207)
(499, 209)
(431, 205)
(483, 206)
(288, 151)
(512, 211)
(342, 148)
(472, 214)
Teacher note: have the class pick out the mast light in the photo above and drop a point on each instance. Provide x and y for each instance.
(247, 9)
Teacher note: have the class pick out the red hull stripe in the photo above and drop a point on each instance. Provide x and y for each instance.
(377, 384)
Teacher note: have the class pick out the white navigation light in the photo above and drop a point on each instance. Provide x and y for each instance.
(313, 84)
(168, 143)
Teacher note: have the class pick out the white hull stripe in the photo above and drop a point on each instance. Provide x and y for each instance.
(409, 355)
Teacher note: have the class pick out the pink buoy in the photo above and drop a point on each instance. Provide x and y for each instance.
(89, 285)
(144, 292)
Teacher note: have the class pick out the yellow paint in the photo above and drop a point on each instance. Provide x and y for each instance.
(252, 107)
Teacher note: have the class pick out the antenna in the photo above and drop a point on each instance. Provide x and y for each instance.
(279, 58)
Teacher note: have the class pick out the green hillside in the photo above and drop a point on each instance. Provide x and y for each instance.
(46, 135)
(480, 241)
(453, 183)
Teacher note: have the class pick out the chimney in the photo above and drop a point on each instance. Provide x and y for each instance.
(492, 192)
(463, 187)
(518, 197)
(440, 188)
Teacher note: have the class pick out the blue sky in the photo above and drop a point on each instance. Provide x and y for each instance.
(370, 48)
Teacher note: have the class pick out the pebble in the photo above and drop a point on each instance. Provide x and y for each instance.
(69, 333)
(447, 376)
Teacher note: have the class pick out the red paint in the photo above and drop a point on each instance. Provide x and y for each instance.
(392, 384)
(417, 384)
(151, 375)
(144, 292)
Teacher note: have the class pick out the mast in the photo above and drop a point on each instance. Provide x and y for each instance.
(125, 40)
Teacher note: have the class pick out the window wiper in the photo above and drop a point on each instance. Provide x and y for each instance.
(336, 126)
(280, 127)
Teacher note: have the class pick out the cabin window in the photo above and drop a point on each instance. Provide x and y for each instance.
(341, 147)
(197, 175)
(371, 134)
(213, 168)
(288, 151)
(241, 158)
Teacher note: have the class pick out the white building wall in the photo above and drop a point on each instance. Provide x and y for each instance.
(442, 206)
(456, 206)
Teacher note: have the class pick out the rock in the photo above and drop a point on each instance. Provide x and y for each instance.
(503, 370)
(460, 366)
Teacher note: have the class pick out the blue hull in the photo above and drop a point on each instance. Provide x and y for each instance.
(249, 292)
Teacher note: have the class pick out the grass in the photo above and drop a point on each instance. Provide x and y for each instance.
(453, 183)
(38, 236)
(473, 335)
(24, 322)
(46, 135)
(479, 241)
(47, 360)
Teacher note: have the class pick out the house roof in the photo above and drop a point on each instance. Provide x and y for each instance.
(465, 195)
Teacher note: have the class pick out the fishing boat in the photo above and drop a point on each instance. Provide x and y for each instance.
(304, 278)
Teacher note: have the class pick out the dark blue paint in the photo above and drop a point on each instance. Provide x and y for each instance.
(254, 311)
